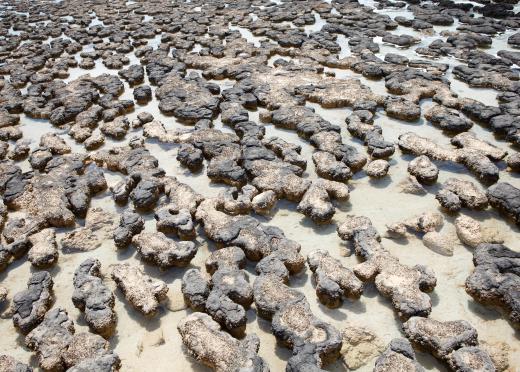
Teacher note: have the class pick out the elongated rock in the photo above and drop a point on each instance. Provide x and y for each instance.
(453, 342)
(496, 279)
(423, 223)
(162, 251)
(93, 297)
(218, 350)
(143, 292)
(29, 306)
(3, 295)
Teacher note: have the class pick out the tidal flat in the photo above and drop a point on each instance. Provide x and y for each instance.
(260, 185)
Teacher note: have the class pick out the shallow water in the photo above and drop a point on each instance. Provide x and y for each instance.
(142, 342)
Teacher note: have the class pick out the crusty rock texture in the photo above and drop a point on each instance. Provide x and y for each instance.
(329, 168)
(293, 322)
(143, 292)
(58, 348)
(99, 226)
(474, 158)
(234, 201)
(182, 195)
(404, 285)
(226, 294)
(54, 198)
(456, 193)
(9, 364)
(469, 231)
(158, 249)
(472, 233)
(51, 338)
(453, 342)
(93, 297)
(213, 147)
(506, 198)
(130, 224)
(377, 168)
(316, 202)
(423, 224)
(496, 279)
(29, 306)
(440, 338)
(3, 295)
(499, 354)
(423, 169)
(264, 202)
(211, 346)
(88, 352)
(258, 241)
(144, 181)
(333, 280)
(398, 356)
(360, 345)
(471, 358)
(175, 221)
(44, 249)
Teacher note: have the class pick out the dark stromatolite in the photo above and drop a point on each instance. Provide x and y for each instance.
(94, 298)
(29, 306)
(496, 279)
